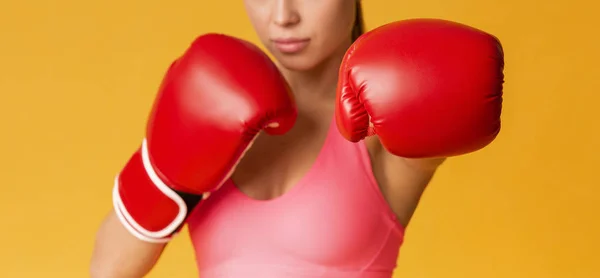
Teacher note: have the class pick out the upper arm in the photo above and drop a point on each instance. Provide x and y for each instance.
(117, 253)
(402, 181)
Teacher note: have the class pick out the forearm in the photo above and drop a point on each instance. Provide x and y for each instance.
(119, 254)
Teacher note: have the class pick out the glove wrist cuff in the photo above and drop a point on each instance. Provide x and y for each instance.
(148, 208)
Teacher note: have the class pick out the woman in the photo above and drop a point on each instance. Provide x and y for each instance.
(305, 204)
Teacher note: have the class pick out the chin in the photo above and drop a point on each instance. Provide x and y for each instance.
(297, 62)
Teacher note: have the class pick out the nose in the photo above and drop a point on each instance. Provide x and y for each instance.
(285, 13)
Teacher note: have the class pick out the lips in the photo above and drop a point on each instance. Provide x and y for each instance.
(290, 45)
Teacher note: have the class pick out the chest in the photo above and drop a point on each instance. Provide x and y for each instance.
(275, 164)
(330, 213)
(326, 219)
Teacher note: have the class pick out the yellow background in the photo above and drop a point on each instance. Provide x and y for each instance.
(77, 79)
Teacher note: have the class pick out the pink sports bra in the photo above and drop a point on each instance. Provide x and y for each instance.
(334, 223)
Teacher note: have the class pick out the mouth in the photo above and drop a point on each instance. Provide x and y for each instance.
(290, 45)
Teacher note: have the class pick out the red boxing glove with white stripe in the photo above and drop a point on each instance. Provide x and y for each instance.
(211, 104)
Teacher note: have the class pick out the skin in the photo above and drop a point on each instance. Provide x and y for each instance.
(275, 164)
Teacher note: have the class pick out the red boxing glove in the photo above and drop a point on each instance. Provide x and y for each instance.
(427, 87)
(212, 103)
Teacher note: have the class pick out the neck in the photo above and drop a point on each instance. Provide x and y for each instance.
(318, 83)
